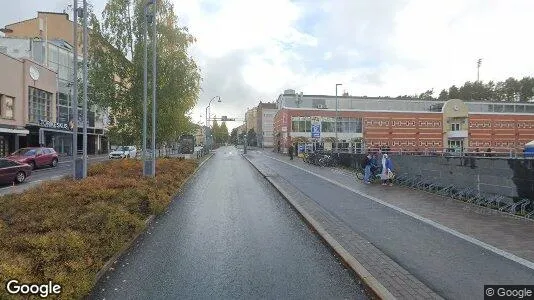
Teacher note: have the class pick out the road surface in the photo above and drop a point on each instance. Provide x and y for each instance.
(229, 235)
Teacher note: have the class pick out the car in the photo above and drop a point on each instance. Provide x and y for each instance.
(123, 152)
(36, 157)
(13, 171)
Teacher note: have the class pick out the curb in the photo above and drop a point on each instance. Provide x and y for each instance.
(369, 280)
(129, 244)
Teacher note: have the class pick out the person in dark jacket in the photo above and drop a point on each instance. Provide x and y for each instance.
(290, 152)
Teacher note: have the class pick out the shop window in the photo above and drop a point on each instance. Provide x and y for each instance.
(39, 105)
(6, 107)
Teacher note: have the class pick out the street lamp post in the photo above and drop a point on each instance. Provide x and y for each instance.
(76, 170)
(337, 112)
(84, 89)
(146, 171)
(208, 114)
(154, 77)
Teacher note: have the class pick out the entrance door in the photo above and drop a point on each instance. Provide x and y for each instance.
(457, 145)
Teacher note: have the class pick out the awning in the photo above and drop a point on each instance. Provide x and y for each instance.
(15, 131)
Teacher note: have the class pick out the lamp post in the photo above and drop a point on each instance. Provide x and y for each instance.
(149, 164)
(208, 114)
(76, 170)
(337, 84)
(84, 157)
(154, 77)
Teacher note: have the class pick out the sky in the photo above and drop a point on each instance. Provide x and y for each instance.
(252, 50)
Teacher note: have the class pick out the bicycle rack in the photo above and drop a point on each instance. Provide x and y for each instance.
(496, 199)
(530, 214)
(446, 191)
(514, 206)
(524, 206)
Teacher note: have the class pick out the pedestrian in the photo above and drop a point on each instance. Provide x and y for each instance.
(291, 152)
(367, 168)
(387, 172)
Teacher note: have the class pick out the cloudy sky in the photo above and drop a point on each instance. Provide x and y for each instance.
(251, 50)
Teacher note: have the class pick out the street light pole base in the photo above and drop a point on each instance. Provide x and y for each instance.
(147, 170)
(78, 168)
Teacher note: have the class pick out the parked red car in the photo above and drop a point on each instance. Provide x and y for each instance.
(11, 170)
(35, 156)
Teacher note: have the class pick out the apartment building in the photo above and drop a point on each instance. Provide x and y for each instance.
(265, 113)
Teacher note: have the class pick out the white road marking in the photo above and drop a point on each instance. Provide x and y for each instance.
(465, 237)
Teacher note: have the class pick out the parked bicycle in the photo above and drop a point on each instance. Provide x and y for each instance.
(376, 174)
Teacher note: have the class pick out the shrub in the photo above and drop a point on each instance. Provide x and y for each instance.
(66, 230)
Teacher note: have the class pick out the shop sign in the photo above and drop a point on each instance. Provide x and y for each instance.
(48, 124)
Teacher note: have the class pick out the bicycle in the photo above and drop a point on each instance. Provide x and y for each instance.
(376, 174)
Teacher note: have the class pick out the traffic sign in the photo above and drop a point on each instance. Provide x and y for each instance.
(316, 131)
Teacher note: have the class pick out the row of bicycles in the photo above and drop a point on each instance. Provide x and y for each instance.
(321, 159)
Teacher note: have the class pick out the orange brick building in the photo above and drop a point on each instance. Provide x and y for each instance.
(411, 125)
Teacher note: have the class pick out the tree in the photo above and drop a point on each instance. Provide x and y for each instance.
(443, 96)
(118, 82)
(427, 95)
(527, 89)
(233, 136)
(223, 133)
(251, 138)
(454, 93)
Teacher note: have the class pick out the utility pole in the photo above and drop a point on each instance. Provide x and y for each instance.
(154, 77)
(337, 115)
(146, 170)
(84, 89)
(76, 170)
(479, 62)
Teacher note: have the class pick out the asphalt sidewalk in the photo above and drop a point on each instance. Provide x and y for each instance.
(500, 230)
(497, 232)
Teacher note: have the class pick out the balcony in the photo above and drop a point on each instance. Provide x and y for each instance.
(459, 134)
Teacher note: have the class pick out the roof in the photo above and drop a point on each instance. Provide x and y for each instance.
(41, 12)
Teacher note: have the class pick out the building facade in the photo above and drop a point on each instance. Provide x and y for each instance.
(411, 125)
(264, 124)
(46, 26)
(57, 56)
(28, 94)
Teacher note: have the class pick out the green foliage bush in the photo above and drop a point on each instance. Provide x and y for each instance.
(65, 231)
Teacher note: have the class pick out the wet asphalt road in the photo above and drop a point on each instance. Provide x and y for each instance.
(452, 267)
(229, 235)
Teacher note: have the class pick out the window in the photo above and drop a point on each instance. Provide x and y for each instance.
(46, 151)
(6, 107)
(455, 127)
(39, 105)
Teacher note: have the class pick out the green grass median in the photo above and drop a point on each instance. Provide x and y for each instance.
(64, 231)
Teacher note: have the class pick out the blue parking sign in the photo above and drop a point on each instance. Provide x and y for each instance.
(316, 131)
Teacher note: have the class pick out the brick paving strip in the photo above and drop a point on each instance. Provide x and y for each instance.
(380, 273)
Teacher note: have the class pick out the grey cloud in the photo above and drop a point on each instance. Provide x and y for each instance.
(223, 77)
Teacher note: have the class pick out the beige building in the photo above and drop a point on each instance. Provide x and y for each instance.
(265, 113)
(27, 99)
(47, 25)
(251, 119)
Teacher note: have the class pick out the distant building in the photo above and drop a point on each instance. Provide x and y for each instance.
(46, 26)
(373, 122)
(265, 113)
